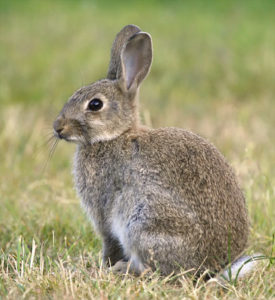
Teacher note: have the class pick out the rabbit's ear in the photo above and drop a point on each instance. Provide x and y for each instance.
(122, 37)
(136, 59)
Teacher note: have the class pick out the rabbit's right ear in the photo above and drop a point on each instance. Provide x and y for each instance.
(122, 37)
(136, 59)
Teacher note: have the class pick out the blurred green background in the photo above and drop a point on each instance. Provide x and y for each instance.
(213, 73)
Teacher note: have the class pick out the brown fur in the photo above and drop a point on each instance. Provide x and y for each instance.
(162, 198)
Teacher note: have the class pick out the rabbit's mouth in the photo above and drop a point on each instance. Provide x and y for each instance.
(67, 138)
(70, 139)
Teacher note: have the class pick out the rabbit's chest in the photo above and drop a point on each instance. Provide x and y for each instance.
(98, 184)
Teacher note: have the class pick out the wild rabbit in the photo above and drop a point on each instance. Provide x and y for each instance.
(159, 198)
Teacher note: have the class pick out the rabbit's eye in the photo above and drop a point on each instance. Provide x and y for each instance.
(95, 104)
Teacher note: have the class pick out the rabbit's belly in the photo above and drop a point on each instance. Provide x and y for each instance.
(119, 231)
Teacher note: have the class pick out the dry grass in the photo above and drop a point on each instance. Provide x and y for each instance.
(224, 92)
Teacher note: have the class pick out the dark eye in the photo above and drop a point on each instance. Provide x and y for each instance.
(95, 104)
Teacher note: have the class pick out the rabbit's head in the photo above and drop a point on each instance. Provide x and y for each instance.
(107, 108)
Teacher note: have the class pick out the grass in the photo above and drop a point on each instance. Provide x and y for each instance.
(213, 73)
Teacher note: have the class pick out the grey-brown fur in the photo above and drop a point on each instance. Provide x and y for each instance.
(159, 198)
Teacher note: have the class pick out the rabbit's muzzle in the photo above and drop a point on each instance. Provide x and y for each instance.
(64, 130)
(58, 128)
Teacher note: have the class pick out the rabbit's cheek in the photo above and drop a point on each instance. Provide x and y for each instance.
(97, 122)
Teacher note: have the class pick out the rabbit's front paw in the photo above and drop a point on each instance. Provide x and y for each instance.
(128, 267)
(121, 267)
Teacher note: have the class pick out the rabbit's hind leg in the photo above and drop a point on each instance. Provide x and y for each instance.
(164, 252)
(151, 252)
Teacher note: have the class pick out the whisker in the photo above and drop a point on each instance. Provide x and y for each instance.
(49, 133)
(53, 147)
(46, 142)
(49, 139)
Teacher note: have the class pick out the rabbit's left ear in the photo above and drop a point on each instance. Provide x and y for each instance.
(136, 59)
(114, 71)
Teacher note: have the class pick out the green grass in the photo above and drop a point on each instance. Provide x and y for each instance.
(213, 73)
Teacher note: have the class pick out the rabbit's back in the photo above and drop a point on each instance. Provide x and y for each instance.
(169, 181)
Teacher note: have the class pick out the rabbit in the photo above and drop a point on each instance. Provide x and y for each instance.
(160, 199)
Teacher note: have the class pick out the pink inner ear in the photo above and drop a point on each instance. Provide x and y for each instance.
(133, 64)
(133, 60)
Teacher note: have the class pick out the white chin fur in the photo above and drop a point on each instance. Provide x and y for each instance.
(104, 137)
(72, 139)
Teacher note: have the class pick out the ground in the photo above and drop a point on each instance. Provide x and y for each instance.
(213, 73)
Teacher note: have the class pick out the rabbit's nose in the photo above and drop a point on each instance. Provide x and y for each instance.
(58, 128)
